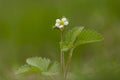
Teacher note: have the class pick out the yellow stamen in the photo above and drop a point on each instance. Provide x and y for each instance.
(61, 22)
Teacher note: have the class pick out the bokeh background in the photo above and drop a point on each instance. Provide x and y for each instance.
(26, 31)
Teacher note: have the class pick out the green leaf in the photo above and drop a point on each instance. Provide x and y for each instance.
(41, 63)
(88, 36)
(54, 67)
(26, 69)
(71, 35)
(70, 38)
(44, 66)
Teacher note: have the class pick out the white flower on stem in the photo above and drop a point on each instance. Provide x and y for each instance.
(60, 23)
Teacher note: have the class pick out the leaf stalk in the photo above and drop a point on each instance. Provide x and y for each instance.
(68, 63)
(62, 58)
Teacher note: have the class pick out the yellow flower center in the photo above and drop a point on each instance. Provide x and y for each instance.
(61, 22)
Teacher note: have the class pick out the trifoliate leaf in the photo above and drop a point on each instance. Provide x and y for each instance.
(53, 71)
(46, 68)
(71, 35)
(70, 38)
(26, 69)
(41, 63)
(54, 67)
(88, 36)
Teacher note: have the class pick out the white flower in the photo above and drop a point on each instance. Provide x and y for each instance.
(60, 23)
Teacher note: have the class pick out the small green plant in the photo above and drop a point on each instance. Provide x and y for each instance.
(53, 70)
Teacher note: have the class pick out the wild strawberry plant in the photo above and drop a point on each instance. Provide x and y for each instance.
(44, 68)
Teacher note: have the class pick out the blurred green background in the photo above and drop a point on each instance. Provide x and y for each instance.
(26, 31)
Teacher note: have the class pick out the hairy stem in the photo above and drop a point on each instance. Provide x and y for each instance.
(62, 57)
(68, 63)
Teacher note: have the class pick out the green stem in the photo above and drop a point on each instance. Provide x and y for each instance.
(62, 57)
(68, 63)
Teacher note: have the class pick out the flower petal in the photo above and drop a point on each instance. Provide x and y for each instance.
(57, 24)
(66, 23)
(61, 26)
(57, 20)
(64, 19)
